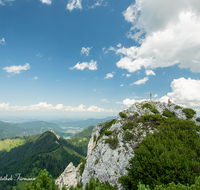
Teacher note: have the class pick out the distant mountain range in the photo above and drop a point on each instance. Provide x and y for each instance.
(8, 130)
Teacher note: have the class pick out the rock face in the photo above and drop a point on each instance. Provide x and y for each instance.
(108, 162)
(69, 177)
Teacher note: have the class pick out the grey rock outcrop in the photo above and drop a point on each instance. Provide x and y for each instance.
(108, 163)
(69, 177)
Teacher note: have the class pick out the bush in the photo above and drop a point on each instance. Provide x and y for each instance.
(112, 142)
(177, 107)
(128, 136)
(147, 105)
(122, 115)
(82, 166)
(189, 112)
(168, 113)
(105, 128)
(154, 110)
(172, 154)
(96, 185)
(108, 133)
(136, 114)
(198, 119)
(43, 181)
(129, 125)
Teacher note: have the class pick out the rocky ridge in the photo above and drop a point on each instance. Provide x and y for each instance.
(110, 148)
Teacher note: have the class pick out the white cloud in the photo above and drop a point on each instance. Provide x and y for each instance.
(119, 45)
(43, 106)
(74, 4)
(149, 72)
(36, 78)
(90, 65)
(48, 2)
(128, 102)
(17, 69)
(156, 95)
(39, 55)
(105, 100)
(184, 92)
(141, 81)
(128, 75)
(86, 51)
(122, 85)
(2, 41)
(166, 39)
(98, 3)
(109, 75)
(2, 2)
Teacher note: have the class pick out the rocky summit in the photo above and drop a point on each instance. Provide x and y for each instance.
(112, 143)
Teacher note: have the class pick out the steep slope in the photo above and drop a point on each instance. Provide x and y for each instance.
(112, 144)
(44, 151)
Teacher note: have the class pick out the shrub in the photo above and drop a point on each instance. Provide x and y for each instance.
(177, 107)
(168, 113)
(147, 105)
(172, 154)
(112, 142)
(189, 112)
(108, 133)
(154, 110)
(153, 118)
(136, 114)
(129, 125)
(128, 136)
(43, 181)
(96, 185)
(95, 138)
(105, 128)
(198, 119)
(82, 166)
(122, 115)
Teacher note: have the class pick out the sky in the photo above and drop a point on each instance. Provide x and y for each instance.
(94, 58)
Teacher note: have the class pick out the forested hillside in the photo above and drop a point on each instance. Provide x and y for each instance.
(37, 152)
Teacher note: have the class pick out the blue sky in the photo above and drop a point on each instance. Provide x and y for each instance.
(93, 58)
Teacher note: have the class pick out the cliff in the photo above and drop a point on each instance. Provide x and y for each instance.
(112, 144)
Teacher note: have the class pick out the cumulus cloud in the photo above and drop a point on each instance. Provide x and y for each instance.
(98, 3)
(17, 69)
(86, 51)
(109, 75)
(35, 77)
(2, 2)
(2, 41)
(165, 39)
(141, 81)
(74, 4)
(149, 72)
(48, 2)
(43, 106)
(92, 65)
(156, 95)
(185, 92)
(122, 85)
(105, 100)
(39, 55)
(128, 102)
(128, 75)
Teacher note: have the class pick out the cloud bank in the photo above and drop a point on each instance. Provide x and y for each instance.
(165, 39)
(43, 106)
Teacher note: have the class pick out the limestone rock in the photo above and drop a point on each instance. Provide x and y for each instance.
(69, 177)
(108, 163)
